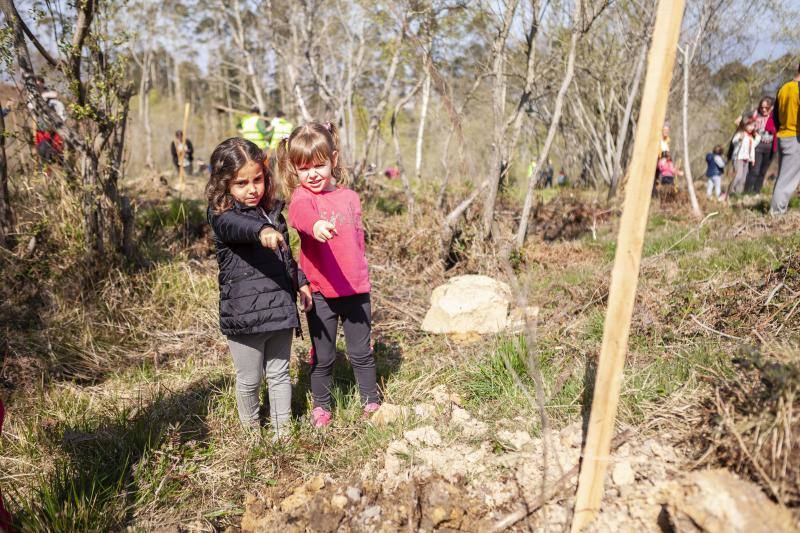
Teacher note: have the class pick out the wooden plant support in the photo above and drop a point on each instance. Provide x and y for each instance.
(183, 142)
(625, 275)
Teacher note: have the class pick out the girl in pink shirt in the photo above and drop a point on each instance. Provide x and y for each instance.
(332, 255)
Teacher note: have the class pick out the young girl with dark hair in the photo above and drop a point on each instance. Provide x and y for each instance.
(332, 254)
(258, 278)
(743, 154)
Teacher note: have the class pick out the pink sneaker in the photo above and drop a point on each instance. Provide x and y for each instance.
(321, 417)
(371, 408)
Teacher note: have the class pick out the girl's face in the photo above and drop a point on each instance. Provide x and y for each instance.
(317, 177)
(750, 128)
(248, 186)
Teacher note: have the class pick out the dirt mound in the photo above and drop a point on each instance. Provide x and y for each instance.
(357, 505)
(453, 471)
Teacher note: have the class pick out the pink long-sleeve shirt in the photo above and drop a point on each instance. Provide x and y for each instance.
(337, 267)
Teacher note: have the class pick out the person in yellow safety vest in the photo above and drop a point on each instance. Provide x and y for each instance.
(280, 128)
(254, 128)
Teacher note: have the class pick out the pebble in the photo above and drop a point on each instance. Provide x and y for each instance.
(353, 493)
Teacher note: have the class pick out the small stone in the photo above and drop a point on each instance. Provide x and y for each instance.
(316, 483)
(389, 414)
(394, 459)
(373, 511)
(438, 515)
(459, 415)
(424, 435)
(297, 499)
(623, 474)
(424, 410)
(440, 395)
(572, 435)
(517, 440)
(353, 493)
(339, 501)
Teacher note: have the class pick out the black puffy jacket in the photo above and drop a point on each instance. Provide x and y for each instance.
(257, 286)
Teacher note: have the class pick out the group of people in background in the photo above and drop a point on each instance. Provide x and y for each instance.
(547, 174)
(265, 135)
(771, 128)
(252, 126)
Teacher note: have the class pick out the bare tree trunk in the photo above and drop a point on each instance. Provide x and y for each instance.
(426, 95)
(551, 132)
(176, 64)
(144, 108)
(499, 88)
(6, 214)
(397, 154)
(626, 118)
(148, 133)
(696, 211)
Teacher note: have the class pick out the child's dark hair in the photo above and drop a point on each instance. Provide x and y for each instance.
(718, 149)
(312, 143)
(226, 160)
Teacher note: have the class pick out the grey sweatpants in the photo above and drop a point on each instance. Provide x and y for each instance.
(788, 175)
(255, 356)
(742, 167)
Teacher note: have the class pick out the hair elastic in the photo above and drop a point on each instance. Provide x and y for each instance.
(328, 126)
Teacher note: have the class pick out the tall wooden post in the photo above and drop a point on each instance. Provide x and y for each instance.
(625, 275)
(182, 153)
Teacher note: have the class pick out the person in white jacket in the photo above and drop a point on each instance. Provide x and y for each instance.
(743, 154)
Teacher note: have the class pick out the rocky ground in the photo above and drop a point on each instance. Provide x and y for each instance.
(453, 472)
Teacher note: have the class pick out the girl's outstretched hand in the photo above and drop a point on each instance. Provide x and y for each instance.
(324, 230)
(306, 301)
(271, 239)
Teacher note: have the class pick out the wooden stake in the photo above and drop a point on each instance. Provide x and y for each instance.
(625, 275)
(182, 154)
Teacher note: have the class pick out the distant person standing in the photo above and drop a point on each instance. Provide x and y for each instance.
(743, 154)
(532, 169)
(785, 114)
(562, 180)
(765, 127)
(667, 170)
(180, 147)
(548, 174)
(254, 128)
(48, 143)
(663, 148)
(279, 129)
(715, 164)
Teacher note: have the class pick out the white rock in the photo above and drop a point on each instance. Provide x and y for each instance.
(623, 473)
(339, 501)
(423, 436)
(389, 414)
(468, 304)
(394, 459)
(353, 493)
(424, 410)
(515, 439)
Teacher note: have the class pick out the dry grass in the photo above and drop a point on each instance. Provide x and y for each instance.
(121, 406)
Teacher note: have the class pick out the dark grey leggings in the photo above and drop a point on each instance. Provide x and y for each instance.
(323, 321)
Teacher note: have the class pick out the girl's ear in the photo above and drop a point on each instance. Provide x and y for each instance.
(334, 159)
